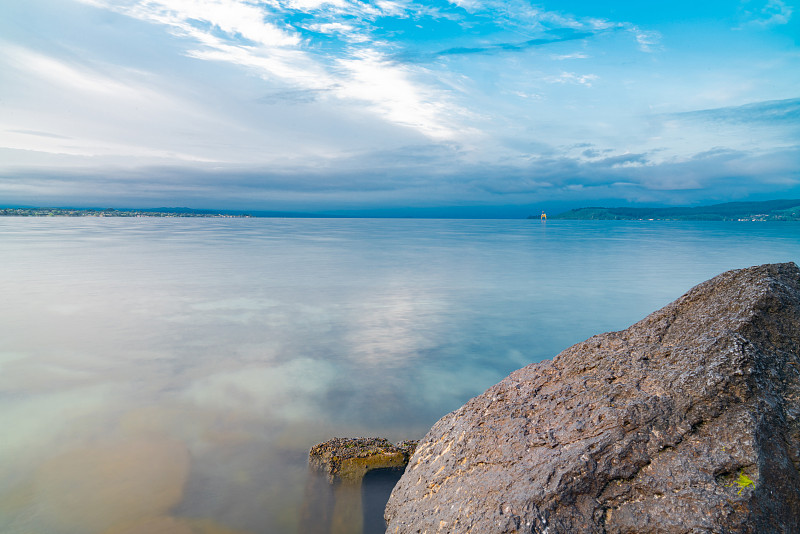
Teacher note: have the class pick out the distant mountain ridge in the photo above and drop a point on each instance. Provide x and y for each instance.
(769, 210)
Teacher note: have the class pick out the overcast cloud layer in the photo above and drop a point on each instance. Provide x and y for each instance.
(311, 105)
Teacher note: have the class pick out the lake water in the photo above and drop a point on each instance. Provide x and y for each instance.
(170, 375)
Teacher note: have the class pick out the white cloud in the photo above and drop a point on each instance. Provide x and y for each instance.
(348, 32)
(571, 77)
(647, 40)
(351, 9)
(277, 54)
(522, 94)
(290, 66)
(575, 55)
(73, 75)
(268, 48)
(331, 27)
(400, 99)
(771, 13)
(84, 89)
(234, 17)
(312, 5)
(392, 8)
(95, 148)
(469, 5)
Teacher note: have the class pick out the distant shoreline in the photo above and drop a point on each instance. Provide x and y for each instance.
(769, 210)
(111, 212)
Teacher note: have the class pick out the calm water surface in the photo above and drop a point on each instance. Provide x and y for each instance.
(171, 374)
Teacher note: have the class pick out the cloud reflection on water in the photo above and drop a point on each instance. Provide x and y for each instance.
(218, 352)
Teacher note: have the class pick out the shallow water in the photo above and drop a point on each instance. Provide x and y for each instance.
(169, 375)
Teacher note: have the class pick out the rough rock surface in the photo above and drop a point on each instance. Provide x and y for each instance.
(345, 459)
(688, 421)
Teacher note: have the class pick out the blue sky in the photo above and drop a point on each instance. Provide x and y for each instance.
(392, 106)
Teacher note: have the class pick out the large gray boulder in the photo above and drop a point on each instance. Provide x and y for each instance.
(688, 421)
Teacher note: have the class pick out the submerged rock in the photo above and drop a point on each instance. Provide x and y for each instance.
(688, 421)
(335, 492)
(349, 459)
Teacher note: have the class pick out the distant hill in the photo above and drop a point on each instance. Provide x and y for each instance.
(770, 210)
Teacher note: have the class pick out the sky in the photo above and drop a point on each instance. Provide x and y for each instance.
(459, 107)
